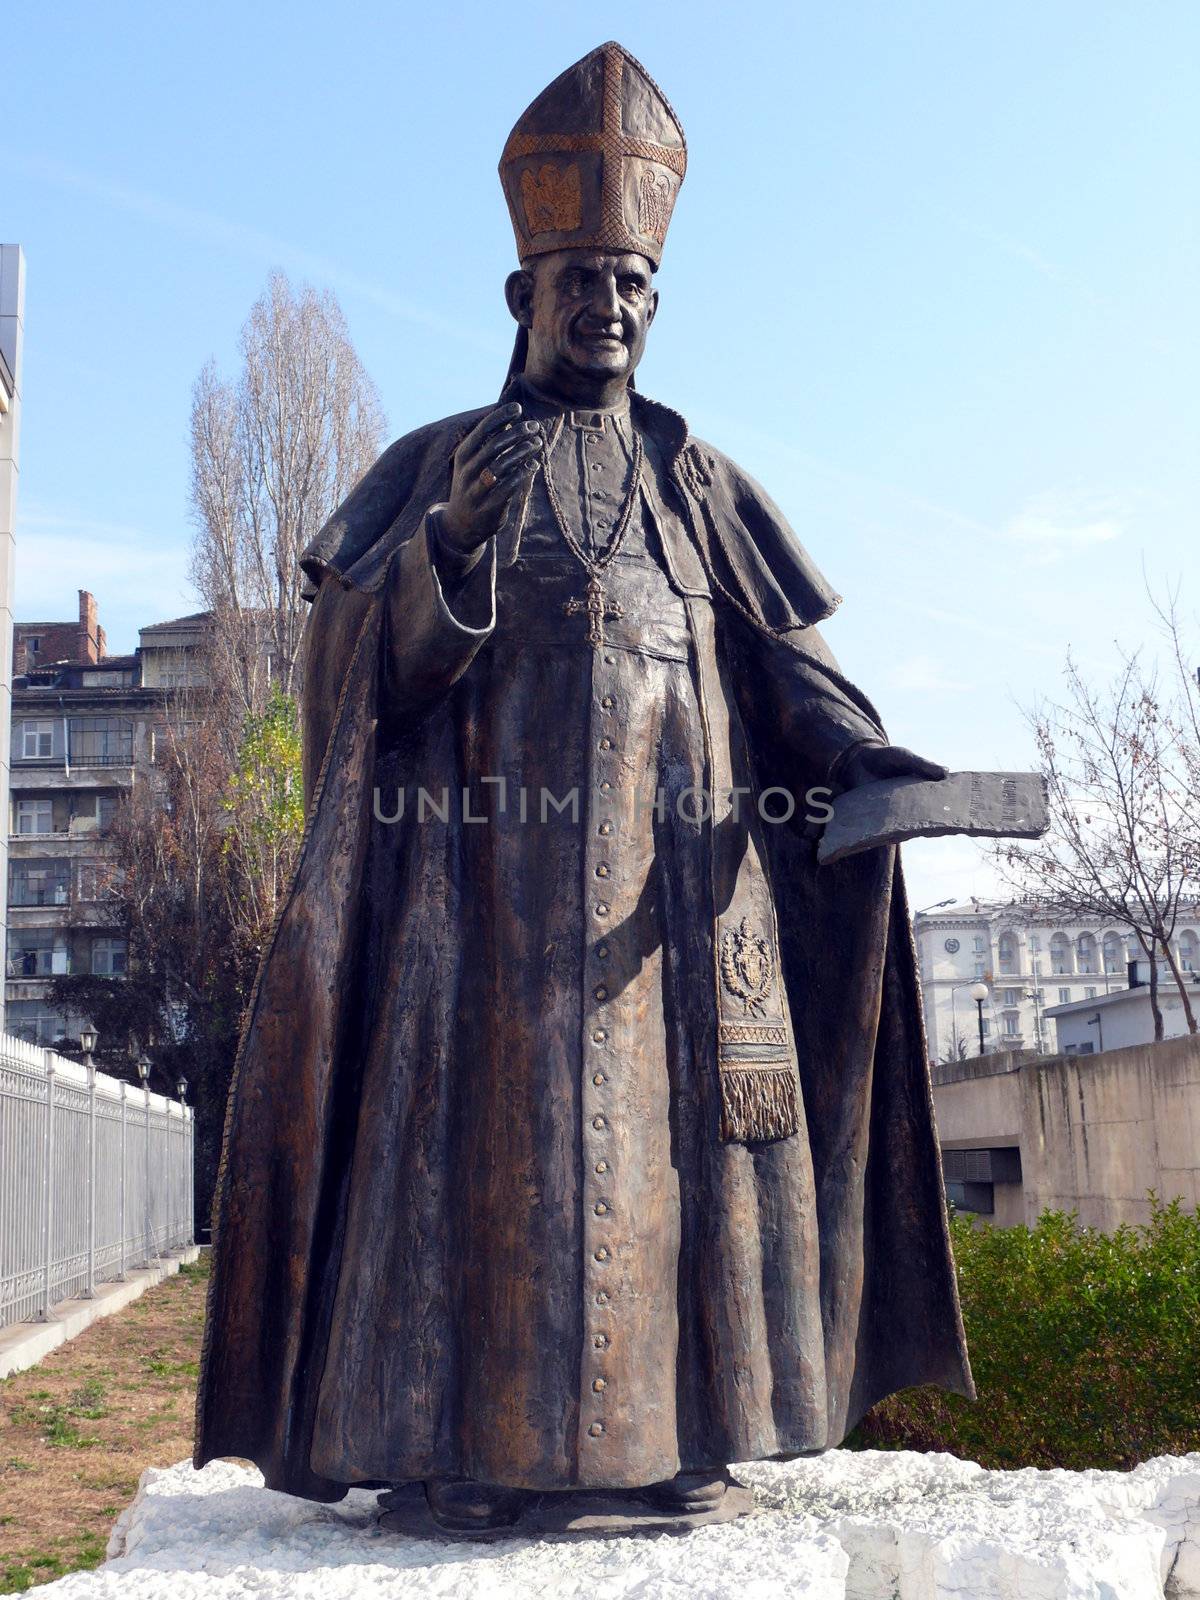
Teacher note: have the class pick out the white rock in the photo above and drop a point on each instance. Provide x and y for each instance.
(875, 1525)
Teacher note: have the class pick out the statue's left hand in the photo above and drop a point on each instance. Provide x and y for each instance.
(868, 763)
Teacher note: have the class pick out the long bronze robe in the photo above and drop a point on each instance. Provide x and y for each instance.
(475, 1217)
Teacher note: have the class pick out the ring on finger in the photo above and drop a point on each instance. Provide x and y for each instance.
(488, 478)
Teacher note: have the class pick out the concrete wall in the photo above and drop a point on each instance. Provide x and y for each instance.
(1096, 1133)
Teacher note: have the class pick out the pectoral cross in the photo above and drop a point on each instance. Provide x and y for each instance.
(596, 607)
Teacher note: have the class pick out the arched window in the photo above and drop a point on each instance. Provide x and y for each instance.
(1086, 947)
(1189, 950)
(1114, 953)
(1060, 954)
(1008, 953)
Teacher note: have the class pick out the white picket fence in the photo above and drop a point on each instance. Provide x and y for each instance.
(95, 1179)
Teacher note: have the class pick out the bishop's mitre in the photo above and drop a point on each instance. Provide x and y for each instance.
(596, 161)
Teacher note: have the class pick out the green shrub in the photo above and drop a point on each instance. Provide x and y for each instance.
(1084, 1347)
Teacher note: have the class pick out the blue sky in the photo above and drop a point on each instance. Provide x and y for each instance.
(932, 279)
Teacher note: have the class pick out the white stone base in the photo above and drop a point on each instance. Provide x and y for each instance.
(876, 1525)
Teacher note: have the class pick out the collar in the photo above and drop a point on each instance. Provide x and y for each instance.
(666, 427)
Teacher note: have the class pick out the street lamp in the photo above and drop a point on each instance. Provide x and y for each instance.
(181, 1086)
(1095, 1022)
(143, 1067)
(979, 993)
(936, 906)
(88, 1038)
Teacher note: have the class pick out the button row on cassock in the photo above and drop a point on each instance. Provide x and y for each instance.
(598, 1033)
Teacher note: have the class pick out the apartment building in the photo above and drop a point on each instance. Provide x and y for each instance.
(84, 731)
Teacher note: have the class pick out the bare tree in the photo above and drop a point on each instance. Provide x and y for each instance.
(273, 454)
(1184, 719)
(1117, 848)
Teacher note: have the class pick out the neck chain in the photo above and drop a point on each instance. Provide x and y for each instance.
(593, 564)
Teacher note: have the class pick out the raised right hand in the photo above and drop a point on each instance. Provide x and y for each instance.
(493, 462)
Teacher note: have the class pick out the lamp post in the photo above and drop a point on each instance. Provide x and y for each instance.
(87, 1043)
(979, 993)
(143, 1067)
(1095, 1022)
(936, 906)
(967, 983)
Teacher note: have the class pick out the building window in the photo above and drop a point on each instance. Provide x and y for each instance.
(1064, 997)
(96, 880)
(97, 808)
(35, 816)
(108, 958)
(1089, 994)
(1012, 1024)
(1012, 997)
(37, 741)
(1114, 953)
(1008, 953)
(1189, 951)
(987, 1027)
(35, 1022)
(980, 943)
(1035, 943)
(1086, 948)
(105, 680)
(31, 953)
(178, 678)
(101, 741)
(1060, 954)
(38, 883)
(980, 967)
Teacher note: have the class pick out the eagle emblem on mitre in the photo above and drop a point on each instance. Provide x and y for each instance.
(552, 199)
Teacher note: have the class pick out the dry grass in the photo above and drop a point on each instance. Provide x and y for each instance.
(77, 1429)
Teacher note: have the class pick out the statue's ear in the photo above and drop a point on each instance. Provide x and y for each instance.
(518, 291)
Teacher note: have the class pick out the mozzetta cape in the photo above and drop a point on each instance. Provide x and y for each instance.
(879, 1275)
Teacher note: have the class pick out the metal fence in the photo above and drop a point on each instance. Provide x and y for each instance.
(95, 1179)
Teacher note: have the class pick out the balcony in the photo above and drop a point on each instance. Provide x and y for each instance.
(39, 964)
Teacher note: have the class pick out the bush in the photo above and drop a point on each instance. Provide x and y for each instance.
(1083, 1345)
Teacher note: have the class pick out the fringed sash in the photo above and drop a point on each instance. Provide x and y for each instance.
(756, 1057)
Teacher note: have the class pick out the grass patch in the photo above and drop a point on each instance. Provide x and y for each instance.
(77, 1430)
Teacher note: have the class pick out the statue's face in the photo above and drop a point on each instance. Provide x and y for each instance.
(587, 312)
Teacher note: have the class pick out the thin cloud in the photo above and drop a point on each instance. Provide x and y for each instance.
(239, 239)
(1054, 527)
(136, 576)
(1040, 264)
(972, 622)
(925, 674)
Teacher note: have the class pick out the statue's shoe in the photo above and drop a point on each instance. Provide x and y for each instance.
(688, 1493)
(466, 1507)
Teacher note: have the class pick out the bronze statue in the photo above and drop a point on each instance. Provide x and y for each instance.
(581, 1133)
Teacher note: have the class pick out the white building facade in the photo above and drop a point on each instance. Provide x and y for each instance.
(1030, 958)
(12, 319)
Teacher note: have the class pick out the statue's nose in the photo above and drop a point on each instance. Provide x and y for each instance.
(605, 304)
